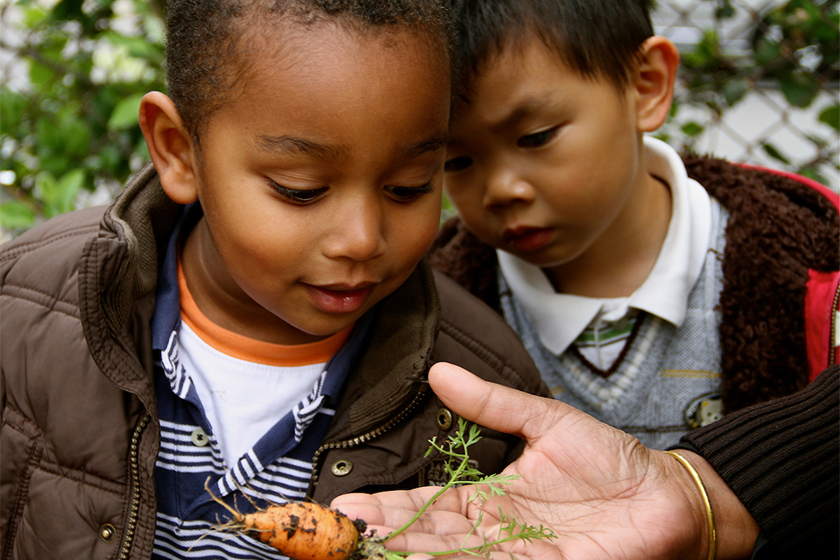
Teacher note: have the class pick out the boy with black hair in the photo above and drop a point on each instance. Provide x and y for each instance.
(250, 312)
(654, 292)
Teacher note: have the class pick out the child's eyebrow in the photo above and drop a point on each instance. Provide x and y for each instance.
(432, 144)
(526, 107)
(293, 145)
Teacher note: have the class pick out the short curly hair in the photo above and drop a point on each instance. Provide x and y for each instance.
(208, 42)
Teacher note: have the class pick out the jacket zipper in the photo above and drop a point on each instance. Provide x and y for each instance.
(375, 433)
(134, 503)
(832, 331)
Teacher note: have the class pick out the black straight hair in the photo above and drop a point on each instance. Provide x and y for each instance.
(597, 38)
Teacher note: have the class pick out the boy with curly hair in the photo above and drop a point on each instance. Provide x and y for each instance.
(252, 313)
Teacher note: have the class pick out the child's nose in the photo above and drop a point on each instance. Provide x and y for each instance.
(505, 187)
(357, 234)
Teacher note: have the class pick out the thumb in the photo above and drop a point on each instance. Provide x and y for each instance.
(495, 406)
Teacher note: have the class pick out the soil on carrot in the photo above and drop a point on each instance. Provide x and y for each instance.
(306, 531)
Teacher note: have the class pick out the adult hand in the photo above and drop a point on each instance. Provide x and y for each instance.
(603, 493)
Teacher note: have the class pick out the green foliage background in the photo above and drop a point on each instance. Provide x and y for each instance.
(73, 129)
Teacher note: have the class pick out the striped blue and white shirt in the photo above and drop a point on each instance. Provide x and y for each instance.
(276, 469)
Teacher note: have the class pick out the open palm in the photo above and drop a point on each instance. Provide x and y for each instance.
(602, 493)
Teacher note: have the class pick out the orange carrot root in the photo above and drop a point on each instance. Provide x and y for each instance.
(304, 531)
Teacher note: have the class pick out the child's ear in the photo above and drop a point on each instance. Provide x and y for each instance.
(170, 147)
(654, 82)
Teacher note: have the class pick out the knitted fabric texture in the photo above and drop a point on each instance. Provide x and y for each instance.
(663, 370)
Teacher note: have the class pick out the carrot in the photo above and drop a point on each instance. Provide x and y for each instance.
(302, 530)
(305, 531)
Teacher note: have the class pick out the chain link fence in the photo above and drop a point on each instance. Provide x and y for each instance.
(758, 82)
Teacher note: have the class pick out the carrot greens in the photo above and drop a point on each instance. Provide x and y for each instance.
(461, 473)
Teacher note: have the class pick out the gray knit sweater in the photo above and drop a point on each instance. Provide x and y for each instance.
(664, 377)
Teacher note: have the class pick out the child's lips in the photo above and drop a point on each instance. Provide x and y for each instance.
(340, 298)
(525, 239)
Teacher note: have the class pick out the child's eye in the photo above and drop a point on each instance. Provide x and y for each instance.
(298, 196)
(457, 164)
(407, 194)
(537, 139)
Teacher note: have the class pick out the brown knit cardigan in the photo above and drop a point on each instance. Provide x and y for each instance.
(779, 228)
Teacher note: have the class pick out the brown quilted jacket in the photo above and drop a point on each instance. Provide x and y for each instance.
(80, 432)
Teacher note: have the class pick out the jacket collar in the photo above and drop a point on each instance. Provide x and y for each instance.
(141, 218)
(117, 277)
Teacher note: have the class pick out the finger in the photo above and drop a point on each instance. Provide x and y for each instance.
(376, 515)
(356, 498)
(387, 511)
(460, 547)
(495, 406)
(421, 542)
(489, 556)
(409, 500)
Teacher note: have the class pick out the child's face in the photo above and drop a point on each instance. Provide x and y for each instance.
(320, 183)
(543, 162)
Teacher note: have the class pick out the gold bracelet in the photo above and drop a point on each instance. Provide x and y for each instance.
(709, 515)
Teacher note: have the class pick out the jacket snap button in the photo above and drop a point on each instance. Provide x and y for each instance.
(107, 532)
(342, 467)
(199, 438)
(444, 419)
